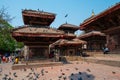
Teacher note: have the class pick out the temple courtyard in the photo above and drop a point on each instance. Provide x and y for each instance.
(97, 67)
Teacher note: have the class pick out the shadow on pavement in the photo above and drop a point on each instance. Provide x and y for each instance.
(81, 76)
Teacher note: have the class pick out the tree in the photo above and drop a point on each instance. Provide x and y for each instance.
(7, 42)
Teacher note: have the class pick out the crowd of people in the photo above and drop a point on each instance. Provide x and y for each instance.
(8, 58)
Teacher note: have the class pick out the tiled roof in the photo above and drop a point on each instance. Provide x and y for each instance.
(34, 30)
(68, 26)
(92, 33)
(68, 42)
(37, 12)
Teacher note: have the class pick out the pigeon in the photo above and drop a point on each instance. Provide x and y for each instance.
(36, 75)
(15, 74)
(4, 78)
(46, 71)
(63, 73)
(42, 71)
(72, 74)
(59, 76)
(80, 73)
(10, 78)
(88, 70)
(64, 78)
(6, 75)
(61, 70)
(9, 73)
(67, 69)
(113, 72)
(32, 69)
(88, 76)
(25, 69)
(80, 78)
(76, 68)
(31, 78)
(29, 75)
(42, 74)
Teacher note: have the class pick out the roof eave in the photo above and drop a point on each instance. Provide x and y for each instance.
(106, 12)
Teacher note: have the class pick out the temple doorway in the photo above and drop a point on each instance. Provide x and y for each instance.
(38, 53)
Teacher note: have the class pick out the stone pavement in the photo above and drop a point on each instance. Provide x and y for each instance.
(111, 57)
(75, 70)
(107, 59)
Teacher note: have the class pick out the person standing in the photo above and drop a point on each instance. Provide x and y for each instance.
(106, 50)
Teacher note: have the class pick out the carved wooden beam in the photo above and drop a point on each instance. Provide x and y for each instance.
(118, 19)
(38, 15)
(38, 22)
(100, 25)
(112, 21)
(112, 30)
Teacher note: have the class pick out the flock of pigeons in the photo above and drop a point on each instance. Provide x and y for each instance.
(33, 75)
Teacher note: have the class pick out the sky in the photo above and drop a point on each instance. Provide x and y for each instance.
(77, 10)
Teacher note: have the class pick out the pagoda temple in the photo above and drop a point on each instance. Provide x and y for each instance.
(107, 22)
(95, 40)
(36, 34)
(70, 46)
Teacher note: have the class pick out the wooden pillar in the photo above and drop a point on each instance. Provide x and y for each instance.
(47, 52)
(107, 38)
(26, 52)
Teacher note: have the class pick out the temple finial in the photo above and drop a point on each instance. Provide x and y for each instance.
(93, 13)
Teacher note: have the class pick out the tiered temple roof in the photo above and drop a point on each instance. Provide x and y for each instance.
(39, 32)
(33, 17)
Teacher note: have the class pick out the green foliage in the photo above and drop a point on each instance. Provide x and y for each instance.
(7, 42)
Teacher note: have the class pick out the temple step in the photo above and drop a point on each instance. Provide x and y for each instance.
(115, 51)
(36, 65)
(38, 61)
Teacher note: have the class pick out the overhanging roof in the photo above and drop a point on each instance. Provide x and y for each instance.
(68, 26)
(33, 31)
(92, 33)
(64, 42)
(102, 14)
(34, 17)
